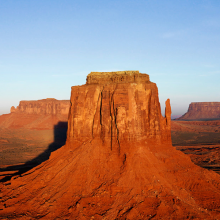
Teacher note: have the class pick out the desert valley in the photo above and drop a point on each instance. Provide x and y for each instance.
(108, 153)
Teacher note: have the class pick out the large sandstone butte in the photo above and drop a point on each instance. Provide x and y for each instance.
(36, 114)
(202, 111)
(118, 162)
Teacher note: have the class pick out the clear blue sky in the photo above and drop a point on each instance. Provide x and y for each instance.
(47, 46)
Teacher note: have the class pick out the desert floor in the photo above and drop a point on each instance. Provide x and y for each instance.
(21, 149)
(200, 140)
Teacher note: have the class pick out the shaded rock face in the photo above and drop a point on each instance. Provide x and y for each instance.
(118, 162)
(48, 106)
(202, 111)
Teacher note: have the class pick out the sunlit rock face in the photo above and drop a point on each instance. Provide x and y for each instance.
(118, 162)
(117, 107)
(41, 114)
(103, 78)
(48, 106)
(202, 111)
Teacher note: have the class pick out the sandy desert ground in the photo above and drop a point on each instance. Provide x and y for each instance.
(23, 148)
(200, 140)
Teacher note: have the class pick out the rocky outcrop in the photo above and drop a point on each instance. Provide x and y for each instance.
(38, 114)
(13, 109)
(118, 162)
(116, 77)
(202, 111)
(118, 112)
(47, 106)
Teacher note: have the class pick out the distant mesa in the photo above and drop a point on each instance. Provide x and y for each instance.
(202, 111)
(36, 114)
(49, 106)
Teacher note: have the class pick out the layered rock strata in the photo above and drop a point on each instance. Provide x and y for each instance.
(38, 114)
(49, 106)
(118, 162)
(202, 111)
(117, 112)
(116, 77)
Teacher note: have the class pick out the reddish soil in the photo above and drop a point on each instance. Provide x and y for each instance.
(27, 139)
(200, 140)
(30, 121)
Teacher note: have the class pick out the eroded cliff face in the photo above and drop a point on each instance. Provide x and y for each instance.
(38, 114)
(118, 162)
(202, 111)
(115, 112)
(48, 106)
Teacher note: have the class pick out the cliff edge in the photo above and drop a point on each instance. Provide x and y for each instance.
(36, 114)
(49, 106)
(202, 111)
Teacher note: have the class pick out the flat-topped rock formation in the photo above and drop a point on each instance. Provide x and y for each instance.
(118, 163)
(49, 106)
(202, 111)
(36, 114)
(34, 128)
(118, 110)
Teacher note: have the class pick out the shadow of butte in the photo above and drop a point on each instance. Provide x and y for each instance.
(60, 130)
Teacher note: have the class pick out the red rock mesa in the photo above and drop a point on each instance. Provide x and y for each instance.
(47, 106)
(118, 162)
(202, 111)
(39, 114)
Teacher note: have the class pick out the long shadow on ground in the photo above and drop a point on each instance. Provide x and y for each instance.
(60, 130)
